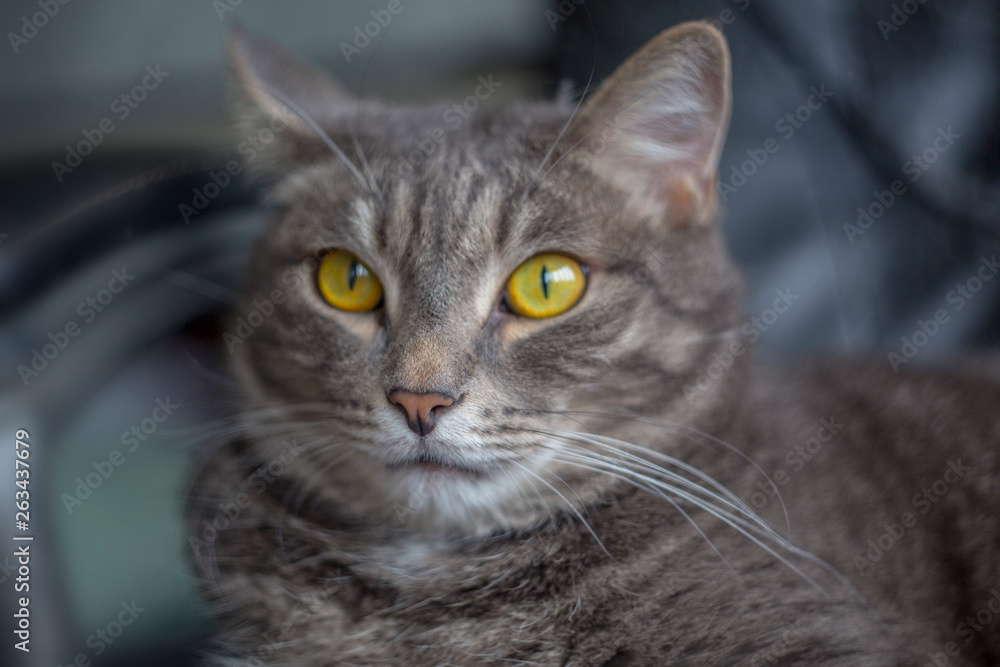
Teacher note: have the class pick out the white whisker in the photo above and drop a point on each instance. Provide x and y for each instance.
(308, 119)
(724, 496)
(721, 503)
(570, 505)
(369, 174)
(548, 155)
(655, 491)
(740, 525)
(685, 432)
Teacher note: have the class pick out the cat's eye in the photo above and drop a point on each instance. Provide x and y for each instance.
(348, 284)
(546, 285)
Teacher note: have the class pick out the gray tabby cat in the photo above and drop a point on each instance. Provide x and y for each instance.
(499, 409)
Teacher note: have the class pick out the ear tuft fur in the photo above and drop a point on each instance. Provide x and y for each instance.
(267, 78)
(661, 119)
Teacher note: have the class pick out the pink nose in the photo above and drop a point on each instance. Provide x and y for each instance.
(421, 409)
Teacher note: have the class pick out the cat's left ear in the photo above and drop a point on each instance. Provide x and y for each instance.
(279, 96)
(657, 125)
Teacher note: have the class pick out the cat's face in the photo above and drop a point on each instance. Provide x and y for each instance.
(427, 393)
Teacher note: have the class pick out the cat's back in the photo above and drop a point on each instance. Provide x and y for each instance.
(893, 476)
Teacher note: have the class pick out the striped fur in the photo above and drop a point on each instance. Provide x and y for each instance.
(601, 515)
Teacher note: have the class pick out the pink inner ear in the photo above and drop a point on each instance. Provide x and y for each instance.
(690, 199)
(669, 105)
(681, 202)
(665, 148)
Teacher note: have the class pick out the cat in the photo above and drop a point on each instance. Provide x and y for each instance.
(497, 408)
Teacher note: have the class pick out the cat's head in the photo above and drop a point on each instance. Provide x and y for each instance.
(453, 296)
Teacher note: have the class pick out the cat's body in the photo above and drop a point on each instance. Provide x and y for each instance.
(553, 596)
(496, 528)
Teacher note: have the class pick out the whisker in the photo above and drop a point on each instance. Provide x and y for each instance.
(318, 447)
(745, 521)
(243, 419)
(308, 119)
(725, 496)
(587, 136)
(369, 174)
(568, 504)
(684, 431)
(741, 526)
(541, 500)
(569, 121)
(664, 496)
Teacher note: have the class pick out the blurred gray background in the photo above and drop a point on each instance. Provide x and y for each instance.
(895, 81)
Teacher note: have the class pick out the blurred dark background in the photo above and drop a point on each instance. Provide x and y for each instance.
(860, 173)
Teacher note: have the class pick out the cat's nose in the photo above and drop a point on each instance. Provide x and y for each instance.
(422, 409)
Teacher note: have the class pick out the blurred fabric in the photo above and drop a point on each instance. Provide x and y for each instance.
(899, 75)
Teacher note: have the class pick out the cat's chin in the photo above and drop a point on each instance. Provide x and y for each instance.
(442, 495)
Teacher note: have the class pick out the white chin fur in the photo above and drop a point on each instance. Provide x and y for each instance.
(437, 500)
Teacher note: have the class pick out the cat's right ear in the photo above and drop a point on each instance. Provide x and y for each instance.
(656, 126)
(281, 103)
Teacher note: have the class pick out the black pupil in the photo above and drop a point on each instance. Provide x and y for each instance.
(352, 275)
(545, 281)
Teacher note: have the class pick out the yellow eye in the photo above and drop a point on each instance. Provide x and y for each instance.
(545, 285)
(348, 284)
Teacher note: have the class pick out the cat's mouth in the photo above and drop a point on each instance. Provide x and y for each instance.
(430, 463)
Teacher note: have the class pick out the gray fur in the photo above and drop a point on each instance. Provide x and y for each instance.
(317, 548)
